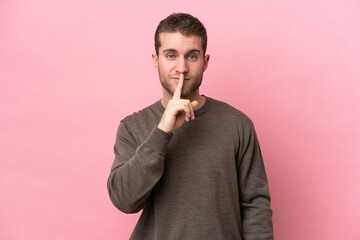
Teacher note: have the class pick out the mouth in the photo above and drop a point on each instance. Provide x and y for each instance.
(176, 79)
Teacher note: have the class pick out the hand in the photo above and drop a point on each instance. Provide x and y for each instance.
(177, 110)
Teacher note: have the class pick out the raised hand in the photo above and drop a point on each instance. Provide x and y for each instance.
(177, 110)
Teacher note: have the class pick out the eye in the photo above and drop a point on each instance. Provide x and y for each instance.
(192, 57)
(170, 56)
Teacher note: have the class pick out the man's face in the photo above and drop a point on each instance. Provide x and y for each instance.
(180, 54)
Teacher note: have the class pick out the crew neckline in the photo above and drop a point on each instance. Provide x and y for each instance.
(197, 112)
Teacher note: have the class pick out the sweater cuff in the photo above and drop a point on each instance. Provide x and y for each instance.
(158, 140)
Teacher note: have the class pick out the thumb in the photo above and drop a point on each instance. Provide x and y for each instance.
(194, 104)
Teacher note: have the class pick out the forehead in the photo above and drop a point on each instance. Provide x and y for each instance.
(179, 42)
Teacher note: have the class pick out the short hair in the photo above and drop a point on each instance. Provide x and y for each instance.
(185, 24)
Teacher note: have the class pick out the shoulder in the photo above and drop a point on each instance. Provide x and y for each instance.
(230, 113)
(140, 123)
(150, 112)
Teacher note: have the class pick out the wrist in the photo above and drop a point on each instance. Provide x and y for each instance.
(163, 128)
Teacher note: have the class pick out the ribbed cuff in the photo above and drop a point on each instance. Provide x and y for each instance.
(158, 140)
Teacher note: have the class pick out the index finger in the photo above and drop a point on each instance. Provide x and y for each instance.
(177, 93)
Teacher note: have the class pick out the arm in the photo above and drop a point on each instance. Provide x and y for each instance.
(136, 169)
(254, 191)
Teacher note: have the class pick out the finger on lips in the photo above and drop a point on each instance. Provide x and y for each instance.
(187, 108)
(177, 93)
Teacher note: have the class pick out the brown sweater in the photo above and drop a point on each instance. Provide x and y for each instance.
(206, 180)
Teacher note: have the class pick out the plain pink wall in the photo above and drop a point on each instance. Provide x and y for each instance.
(71, 70)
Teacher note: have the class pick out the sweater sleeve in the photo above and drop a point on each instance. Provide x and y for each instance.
(136, 169)
(254, 191)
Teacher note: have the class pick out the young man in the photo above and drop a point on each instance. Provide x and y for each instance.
(192, 163)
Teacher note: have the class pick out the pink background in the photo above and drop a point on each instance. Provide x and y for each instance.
(71, 70)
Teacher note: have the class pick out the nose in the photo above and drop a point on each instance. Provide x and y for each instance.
(182, 65)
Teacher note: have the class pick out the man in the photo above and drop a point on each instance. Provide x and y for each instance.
(192, 163)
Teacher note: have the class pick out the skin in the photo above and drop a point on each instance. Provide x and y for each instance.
(181, 63)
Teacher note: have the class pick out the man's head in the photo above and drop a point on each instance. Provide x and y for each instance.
(185, 24)
(180, 44)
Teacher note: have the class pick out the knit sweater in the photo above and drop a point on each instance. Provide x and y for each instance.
(205, 180)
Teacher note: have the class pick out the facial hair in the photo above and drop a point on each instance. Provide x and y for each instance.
(190, 86)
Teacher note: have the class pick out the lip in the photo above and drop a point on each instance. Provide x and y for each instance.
(177, 78)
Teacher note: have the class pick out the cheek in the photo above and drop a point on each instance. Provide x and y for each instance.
(198, 69)
(165, 67)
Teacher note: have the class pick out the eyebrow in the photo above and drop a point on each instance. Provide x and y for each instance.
(173, 50)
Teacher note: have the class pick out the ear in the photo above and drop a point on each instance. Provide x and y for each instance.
(155, 61)
(206, 62)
